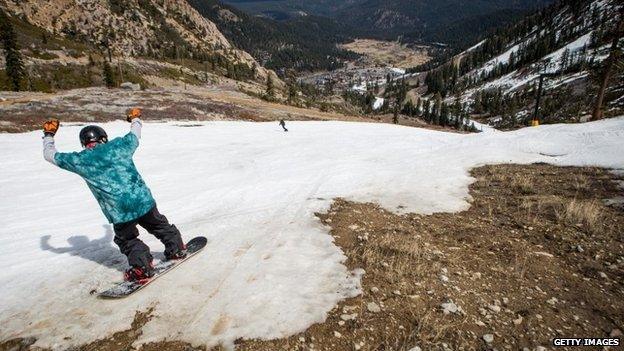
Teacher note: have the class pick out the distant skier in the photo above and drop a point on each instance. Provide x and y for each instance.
(283, 125)
(126, 201)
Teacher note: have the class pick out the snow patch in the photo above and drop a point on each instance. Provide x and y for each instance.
(378, 103)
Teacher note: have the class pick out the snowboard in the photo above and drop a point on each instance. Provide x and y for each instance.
(125, 289)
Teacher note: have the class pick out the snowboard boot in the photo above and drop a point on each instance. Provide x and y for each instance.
(139, 274)
(176, 254)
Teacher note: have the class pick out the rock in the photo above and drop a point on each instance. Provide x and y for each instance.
(479, 323)
(505, 301)
(373, 307)
(374, 289)
(415, 348)
(579, 248)
(615, 333)
(337, 334)
(540, 348)
(341, 323)
(348, 317)
(552, 301)
(603, 275)
(397, 292)
(443, 278)
(302, 339)
(494, 308)
(518, 320)
(488, 338)
(449, 307)
(130, 86)
(544, 254)
(476, 275)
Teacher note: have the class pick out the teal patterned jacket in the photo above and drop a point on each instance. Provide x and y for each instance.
(111, 175)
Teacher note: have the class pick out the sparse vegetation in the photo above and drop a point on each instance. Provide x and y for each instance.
(582, 213)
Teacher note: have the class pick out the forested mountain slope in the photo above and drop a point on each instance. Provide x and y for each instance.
(301, 43)
(76, 36)
(453, 22)
(569, 42)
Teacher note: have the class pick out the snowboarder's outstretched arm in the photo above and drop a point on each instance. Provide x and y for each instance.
(135, 127)
(133, 116)
(49, 130)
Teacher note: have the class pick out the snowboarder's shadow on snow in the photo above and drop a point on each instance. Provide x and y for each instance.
(100, 251)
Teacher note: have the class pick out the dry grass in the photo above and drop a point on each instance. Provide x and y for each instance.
(581, 213)
(523, 184)
(581, 182)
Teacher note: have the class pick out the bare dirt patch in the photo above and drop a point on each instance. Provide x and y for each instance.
(26, 111)
(388, 53)
(538, 255)
(512, 268)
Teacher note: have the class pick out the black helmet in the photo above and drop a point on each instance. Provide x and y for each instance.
(90, 134)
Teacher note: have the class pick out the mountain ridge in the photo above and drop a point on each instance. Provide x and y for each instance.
(159, 29)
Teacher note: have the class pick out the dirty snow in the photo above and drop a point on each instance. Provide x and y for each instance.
(378, 103)
(474, 46)
(270, 268)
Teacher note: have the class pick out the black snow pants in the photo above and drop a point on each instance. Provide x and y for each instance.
(126, 237)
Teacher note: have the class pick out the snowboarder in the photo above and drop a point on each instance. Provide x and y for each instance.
(283, 125)
(123, 196)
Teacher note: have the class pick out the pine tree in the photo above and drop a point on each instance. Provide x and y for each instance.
(615, 54)
(109, 78)
(292, 90)
(270, 90)
(14, 64)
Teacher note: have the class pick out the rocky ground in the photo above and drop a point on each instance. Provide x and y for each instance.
(538, 255)
(174, 100)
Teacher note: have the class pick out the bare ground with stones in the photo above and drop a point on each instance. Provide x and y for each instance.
(25, 111)
(539, 254)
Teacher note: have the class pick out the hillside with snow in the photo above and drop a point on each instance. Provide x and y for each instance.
(568, 43)
(270, 268)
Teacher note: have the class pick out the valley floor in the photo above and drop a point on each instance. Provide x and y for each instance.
(387, 53)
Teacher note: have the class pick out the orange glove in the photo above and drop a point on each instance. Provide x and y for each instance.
(133, 113)
(50, 127)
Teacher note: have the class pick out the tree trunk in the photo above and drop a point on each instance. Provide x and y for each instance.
(613, 55)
